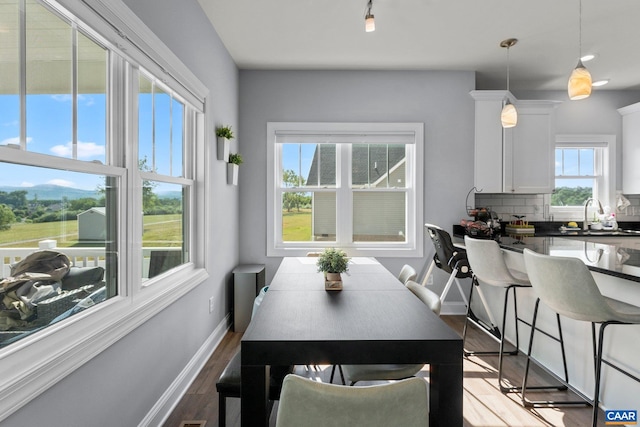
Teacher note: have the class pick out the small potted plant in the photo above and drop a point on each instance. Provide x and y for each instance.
(235, 159)
(332, 262)
(224, 134)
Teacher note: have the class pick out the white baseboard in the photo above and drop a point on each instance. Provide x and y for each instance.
(453, 308)
(171, 397)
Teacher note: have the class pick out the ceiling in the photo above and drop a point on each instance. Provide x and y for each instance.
(437, 35)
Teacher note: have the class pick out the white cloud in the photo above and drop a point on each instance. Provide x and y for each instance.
(26, 184)
(15, 141)
(62, 98)
(85, 150)
(61, 182)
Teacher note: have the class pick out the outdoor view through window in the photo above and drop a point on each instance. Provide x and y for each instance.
(312, 186)
(62, 178)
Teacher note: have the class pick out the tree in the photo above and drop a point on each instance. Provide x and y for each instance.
(6, 217)
(293, 199)
(567, 196)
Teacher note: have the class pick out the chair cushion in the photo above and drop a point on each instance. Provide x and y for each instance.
(357, 373)
(80, 276)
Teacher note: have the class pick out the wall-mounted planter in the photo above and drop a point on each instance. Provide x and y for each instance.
(223, 148)
(232, 173)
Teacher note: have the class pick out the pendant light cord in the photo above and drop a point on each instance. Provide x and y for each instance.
(580, 30)
(508, 69)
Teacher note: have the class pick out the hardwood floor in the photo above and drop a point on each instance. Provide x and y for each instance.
(484, 404)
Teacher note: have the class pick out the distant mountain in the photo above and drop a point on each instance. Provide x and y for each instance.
(53, 192)
(169, 194)
(56, 192)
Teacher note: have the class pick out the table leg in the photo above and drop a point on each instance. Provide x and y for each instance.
(446, 394)
(254, 409)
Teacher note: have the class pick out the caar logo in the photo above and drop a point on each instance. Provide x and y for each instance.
(621, 417)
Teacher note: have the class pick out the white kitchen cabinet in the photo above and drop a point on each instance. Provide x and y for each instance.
(630, 148)
(519, 159)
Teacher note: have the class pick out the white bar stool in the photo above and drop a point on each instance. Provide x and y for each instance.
(488, 265)
(568, 288)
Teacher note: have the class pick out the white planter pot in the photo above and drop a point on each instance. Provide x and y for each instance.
(232, 173)
(223, 149)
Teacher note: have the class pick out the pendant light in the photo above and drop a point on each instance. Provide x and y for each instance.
(509, 115)
(579, 86)
(369, 21)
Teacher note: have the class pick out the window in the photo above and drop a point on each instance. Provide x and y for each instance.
(56, 101)
(582, 171)
(357, 186)
(100, 156)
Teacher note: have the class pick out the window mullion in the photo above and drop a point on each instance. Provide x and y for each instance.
(23, 74)
(344, 196)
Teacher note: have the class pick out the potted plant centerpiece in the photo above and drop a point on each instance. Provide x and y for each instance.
(224, 134)
(235, 159)
(332, 262)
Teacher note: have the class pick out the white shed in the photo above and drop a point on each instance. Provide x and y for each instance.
(92, 224)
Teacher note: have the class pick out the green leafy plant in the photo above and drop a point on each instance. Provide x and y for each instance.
(333, 261)
(224, 132)
(235, 158)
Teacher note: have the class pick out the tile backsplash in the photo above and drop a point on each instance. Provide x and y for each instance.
(533, 206)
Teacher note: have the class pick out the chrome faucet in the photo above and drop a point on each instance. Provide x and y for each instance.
(585, 224)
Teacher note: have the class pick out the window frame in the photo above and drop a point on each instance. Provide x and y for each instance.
(347, 134)
(35, 363)
(604, 169)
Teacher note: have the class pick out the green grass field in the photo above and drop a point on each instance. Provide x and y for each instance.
(296, 226)
(159, 230)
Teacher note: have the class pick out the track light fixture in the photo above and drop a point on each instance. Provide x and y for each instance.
(509, 114)
(369, 21)
(579, 86)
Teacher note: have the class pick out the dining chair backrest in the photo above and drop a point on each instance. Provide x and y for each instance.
(567, 287)
(428, 297)
(487, 262)
(407, 273)
(308, 403)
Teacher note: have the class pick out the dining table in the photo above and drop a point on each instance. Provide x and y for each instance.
(374, 319)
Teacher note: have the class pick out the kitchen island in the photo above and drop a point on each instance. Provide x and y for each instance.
(615, 265)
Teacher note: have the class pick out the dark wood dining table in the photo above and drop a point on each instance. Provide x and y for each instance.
(375, 319)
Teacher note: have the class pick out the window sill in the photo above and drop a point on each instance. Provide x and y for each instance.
(32, 365)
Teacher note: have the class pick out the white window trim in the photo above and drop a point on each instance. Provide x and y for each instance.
(414, 245)
(606, 182)
(35, 363)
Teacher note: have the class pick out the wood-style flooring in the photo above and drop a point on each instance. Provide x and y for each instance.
(484, 404)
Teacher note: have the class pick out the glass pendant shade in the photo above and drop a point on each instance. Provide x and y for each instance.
(509, 115)
(369, 23)
(579, 85)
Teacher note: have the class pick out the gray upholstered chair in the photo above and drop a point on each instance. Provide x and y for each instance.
(308, 403)
(407, 273)
(394, 371)
(567, 287)
(488, 265)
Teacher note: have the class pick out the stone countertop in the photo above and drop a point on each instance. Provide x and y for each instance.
(607, 258)
(618, 257)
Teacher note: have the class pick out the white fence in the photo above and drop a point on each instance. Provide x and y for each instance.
(80, 257)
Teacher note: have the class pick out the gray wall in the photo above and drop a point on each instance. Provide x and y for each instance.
(121, 385)
(440, 100)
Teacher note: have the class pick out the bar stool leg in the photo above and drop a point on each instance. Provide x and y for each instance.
(504, 324)
(547, 403)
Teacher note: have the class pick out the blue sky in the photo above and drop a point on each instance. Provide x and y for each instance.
(49, 131)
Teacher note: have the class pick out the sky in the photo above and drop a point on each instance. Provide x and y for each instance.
(49, 131)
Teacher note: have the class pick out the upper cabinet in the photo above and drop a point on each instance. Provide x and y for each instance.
(519, 159)
(630, 148)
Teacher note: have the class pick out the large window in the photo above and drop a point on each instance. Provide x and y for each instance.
(582, 171)
(97, 163)
(355, 186)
